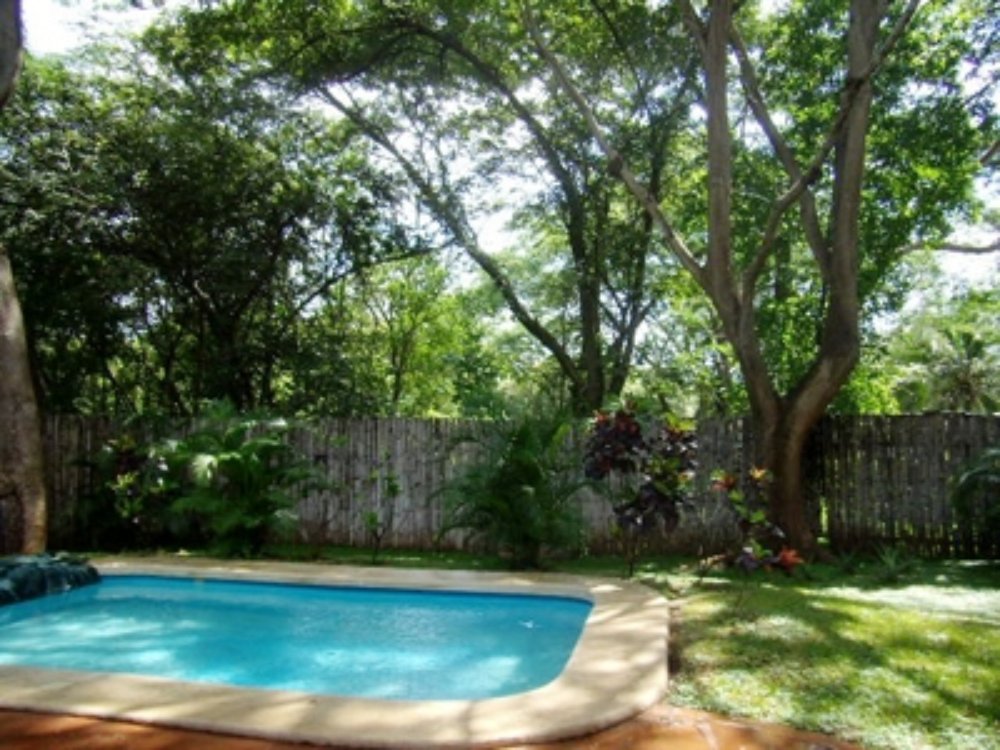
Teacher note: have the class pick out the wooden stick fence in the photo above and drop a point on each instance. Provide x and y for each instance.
(872, 481)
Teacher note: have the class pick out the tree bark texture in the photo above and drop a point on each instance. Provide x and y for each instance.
(22, 473)
(784, 426)
(10, 47)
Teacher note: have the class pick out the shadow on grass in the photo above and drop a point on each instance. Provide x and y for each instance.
(786, 650)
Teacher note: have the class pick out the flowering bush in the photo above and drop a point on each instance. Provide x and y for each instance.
(753, 523)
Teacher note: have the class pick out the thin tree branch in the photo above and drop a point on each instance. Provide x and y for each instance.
(696, 27)
(990, 154)
(953, 247)
(810, 217)
(616, 163)
(457, 225)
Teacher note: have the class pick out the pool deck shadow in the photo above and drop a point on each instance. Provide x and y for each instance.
(659, 728)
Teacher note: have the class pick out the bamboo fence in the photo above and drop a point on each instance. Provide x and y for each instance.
(871, 481)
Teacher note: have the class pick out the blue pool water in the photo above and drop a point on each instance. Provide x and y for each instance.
(374, 643)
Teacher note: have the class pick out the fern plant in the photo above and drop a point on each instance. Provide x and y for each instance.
(236, 476)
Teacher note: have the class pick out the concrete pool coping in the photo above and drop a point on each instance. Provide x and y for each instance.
(618, 668)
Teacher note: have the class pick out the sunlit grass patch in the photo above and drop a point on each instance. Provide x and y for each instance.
(882, 674)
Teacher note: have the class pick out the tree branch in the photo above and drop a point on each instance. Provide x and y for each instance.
(616, 162)
(696, 27)
(990, 154)
(457, 225)
(954, 247)
(807, 202)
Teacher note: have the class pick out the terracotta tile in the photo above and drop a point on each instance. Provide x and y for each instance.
(661, 728)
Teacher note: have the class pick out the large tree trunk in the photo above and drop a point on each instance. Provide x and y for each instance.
(783, 422)
(782, 437)
(10, 47)
(840, 339)
(22, 475)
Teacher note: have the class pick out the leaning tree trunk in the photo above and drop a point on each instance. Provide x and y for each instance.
(22, 476)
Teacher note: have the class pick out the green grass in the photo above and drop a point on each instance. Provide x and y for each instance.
(890, 653)
(909, 664)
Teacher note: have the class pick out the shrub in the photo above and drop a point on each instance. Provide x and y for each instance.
(235, 474)
(655, 474)
(762, 543)
(519, 492)
(129, 506)
(976, 494)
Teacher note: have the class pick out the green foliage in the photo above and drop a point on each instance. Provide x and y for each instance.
(976, 493)
(923, 144)
(130, 507)
(422, 341)
(238, 476)
(183, 228)
(947, 355)
(378, 520)
(448, 93)
(871, 387)
(656, 471)
(519, 492)
(173, 234)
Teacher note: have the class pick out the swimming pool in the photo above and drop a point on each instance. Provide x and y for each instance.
(348, 641)
(616, 669)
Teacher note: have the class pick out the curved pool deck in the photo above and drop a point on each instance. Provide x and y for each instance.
(618, 668)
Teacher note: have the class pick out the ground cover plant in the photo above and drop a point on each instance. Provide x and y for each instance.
(885, 658)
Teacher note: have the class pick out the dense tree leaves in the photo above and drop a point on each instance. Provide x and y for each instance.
(424, 81)
(186, 225)
(813, 112)
(947, 356)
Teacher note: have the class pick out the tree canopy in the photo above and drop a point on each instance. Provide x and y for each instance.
(421, 207)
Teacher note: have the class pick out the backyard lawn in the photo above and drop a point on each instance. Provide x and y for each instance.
(909, 662)
(888, 653)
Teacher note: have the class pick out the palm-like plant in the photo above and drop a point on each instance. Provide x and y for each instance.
(976, 493)
(236, 475)
(965, 371)
(519, 493)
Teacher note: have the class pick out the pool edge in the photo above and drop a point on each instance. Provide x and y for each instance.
(617, 669)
